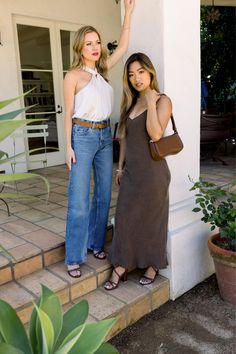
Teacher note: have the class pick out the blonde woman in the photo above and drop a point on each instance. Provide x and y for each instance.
(142, 208)
(88, 104)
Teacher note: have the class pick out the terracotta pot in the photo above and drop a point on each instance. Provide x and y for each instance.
(225, 266)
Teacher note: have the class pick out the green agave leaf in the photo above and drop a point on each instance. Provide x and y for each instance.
(92, 336)
(9, 349)
(8, 159)
(70, 340)
(74, 317)
(10, 324)
(14, 114)
(106, 348)
(2, 154)
(10, 100)
(47, 331)
(50, 304)
(7, 127)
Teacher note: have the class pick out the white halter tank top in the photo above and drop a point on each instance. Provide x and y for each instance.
(94, 102)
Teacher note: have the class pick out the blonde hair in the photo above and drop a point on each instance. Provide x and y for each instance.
(78, 61)
(130, 95)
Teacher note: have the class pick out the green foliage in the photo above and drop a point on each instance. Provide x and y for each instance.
(7, 126)
(218, 53)
(218, 207)
(51, 332)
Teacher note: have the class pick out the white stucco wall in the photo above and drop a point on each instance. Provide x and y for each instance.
(102, 14)
(169, 32)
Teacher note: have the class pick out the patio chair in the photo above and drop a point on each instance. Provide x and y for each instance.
(31, 132)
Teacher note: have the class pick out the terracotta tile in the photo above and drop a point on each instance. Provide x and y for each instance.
(160, 296)
(83, 287)
(15, 295)
(25, 313)
(53, 224)
(20, 227)
(60, 269)
(5, 275)
(28, 266)
(119, 325)
(3, 260)
(44, 239)
(102, 277)
(17, 207)
(24, 251)
(33, 282)
(59, 189)
(33, 215)
(96, 264)
(138, 309)
(128, 292)
(5, 218)
(56, 197)
(46, 207)
(8, 241)
(54, 256)
(96, 301)
(60, 213)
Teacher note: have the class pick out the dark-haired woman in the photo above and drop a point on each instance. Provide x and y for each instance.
(142, 209)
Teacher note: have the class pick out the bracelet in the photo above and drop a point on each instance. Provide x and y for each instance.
(126, 28)
(119, 170)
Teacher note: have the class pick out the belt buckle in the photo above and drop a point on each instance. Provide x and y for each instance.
(93, 125)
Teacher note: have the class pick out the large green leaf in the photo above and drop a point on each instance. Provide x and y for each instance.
(47, 331)
(10, 100)
(50, 304)
(9, 349)
(74, 317)
(14, 114)
(12, 329)
(7, 127)
(93, 336)
(106, 348)
(2, 154)
(71, 340)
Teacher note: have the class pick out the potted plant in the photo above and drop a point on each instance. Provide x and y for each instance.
(217, 204)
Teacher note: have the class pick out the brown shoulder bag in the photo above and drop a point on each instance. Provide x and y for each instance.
(168, 145)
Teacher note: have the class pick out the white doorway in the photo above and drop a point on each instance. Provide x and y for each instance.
(44, 54)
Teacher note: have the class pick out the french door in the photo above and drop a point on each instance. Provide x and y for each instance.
(45, 54)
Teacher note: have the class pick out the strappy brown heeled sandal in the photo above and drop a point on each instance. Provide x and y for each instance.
(100, 255)
(111, 285)
(145, 280)
(74, 273)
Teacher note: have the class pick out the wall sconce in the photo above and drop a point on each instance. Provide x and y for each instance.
(111, 46)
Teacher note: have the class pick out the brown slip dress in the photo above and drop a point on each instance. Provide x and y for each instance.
(142, 209)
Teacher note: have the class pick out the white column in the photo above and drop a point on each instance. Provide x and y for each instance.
(169, 32)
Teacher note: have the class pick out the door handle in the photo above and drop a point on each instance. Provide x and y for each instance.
(59, 111)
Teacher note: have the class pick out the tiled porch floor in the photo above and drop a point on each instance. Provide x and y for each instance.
(36, 230)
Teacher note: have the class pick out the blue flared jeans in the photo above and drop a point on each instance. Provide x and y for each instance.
(87, 222)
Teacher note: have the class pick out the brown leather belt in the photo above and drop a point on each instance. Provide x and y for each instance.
(92, 125)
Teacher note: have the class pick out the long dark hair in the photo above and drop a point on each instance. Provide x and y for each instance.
(130, 95)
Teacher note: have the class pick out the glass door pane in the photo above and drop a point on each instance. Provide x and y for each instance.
(66, 49)
(37, 73)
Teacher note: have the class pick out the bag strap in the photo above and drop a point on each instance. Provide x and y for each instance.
(172, 118)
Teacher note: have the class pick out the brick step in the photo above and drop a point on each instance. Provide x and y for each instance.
(129, 301)
(44, 249)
